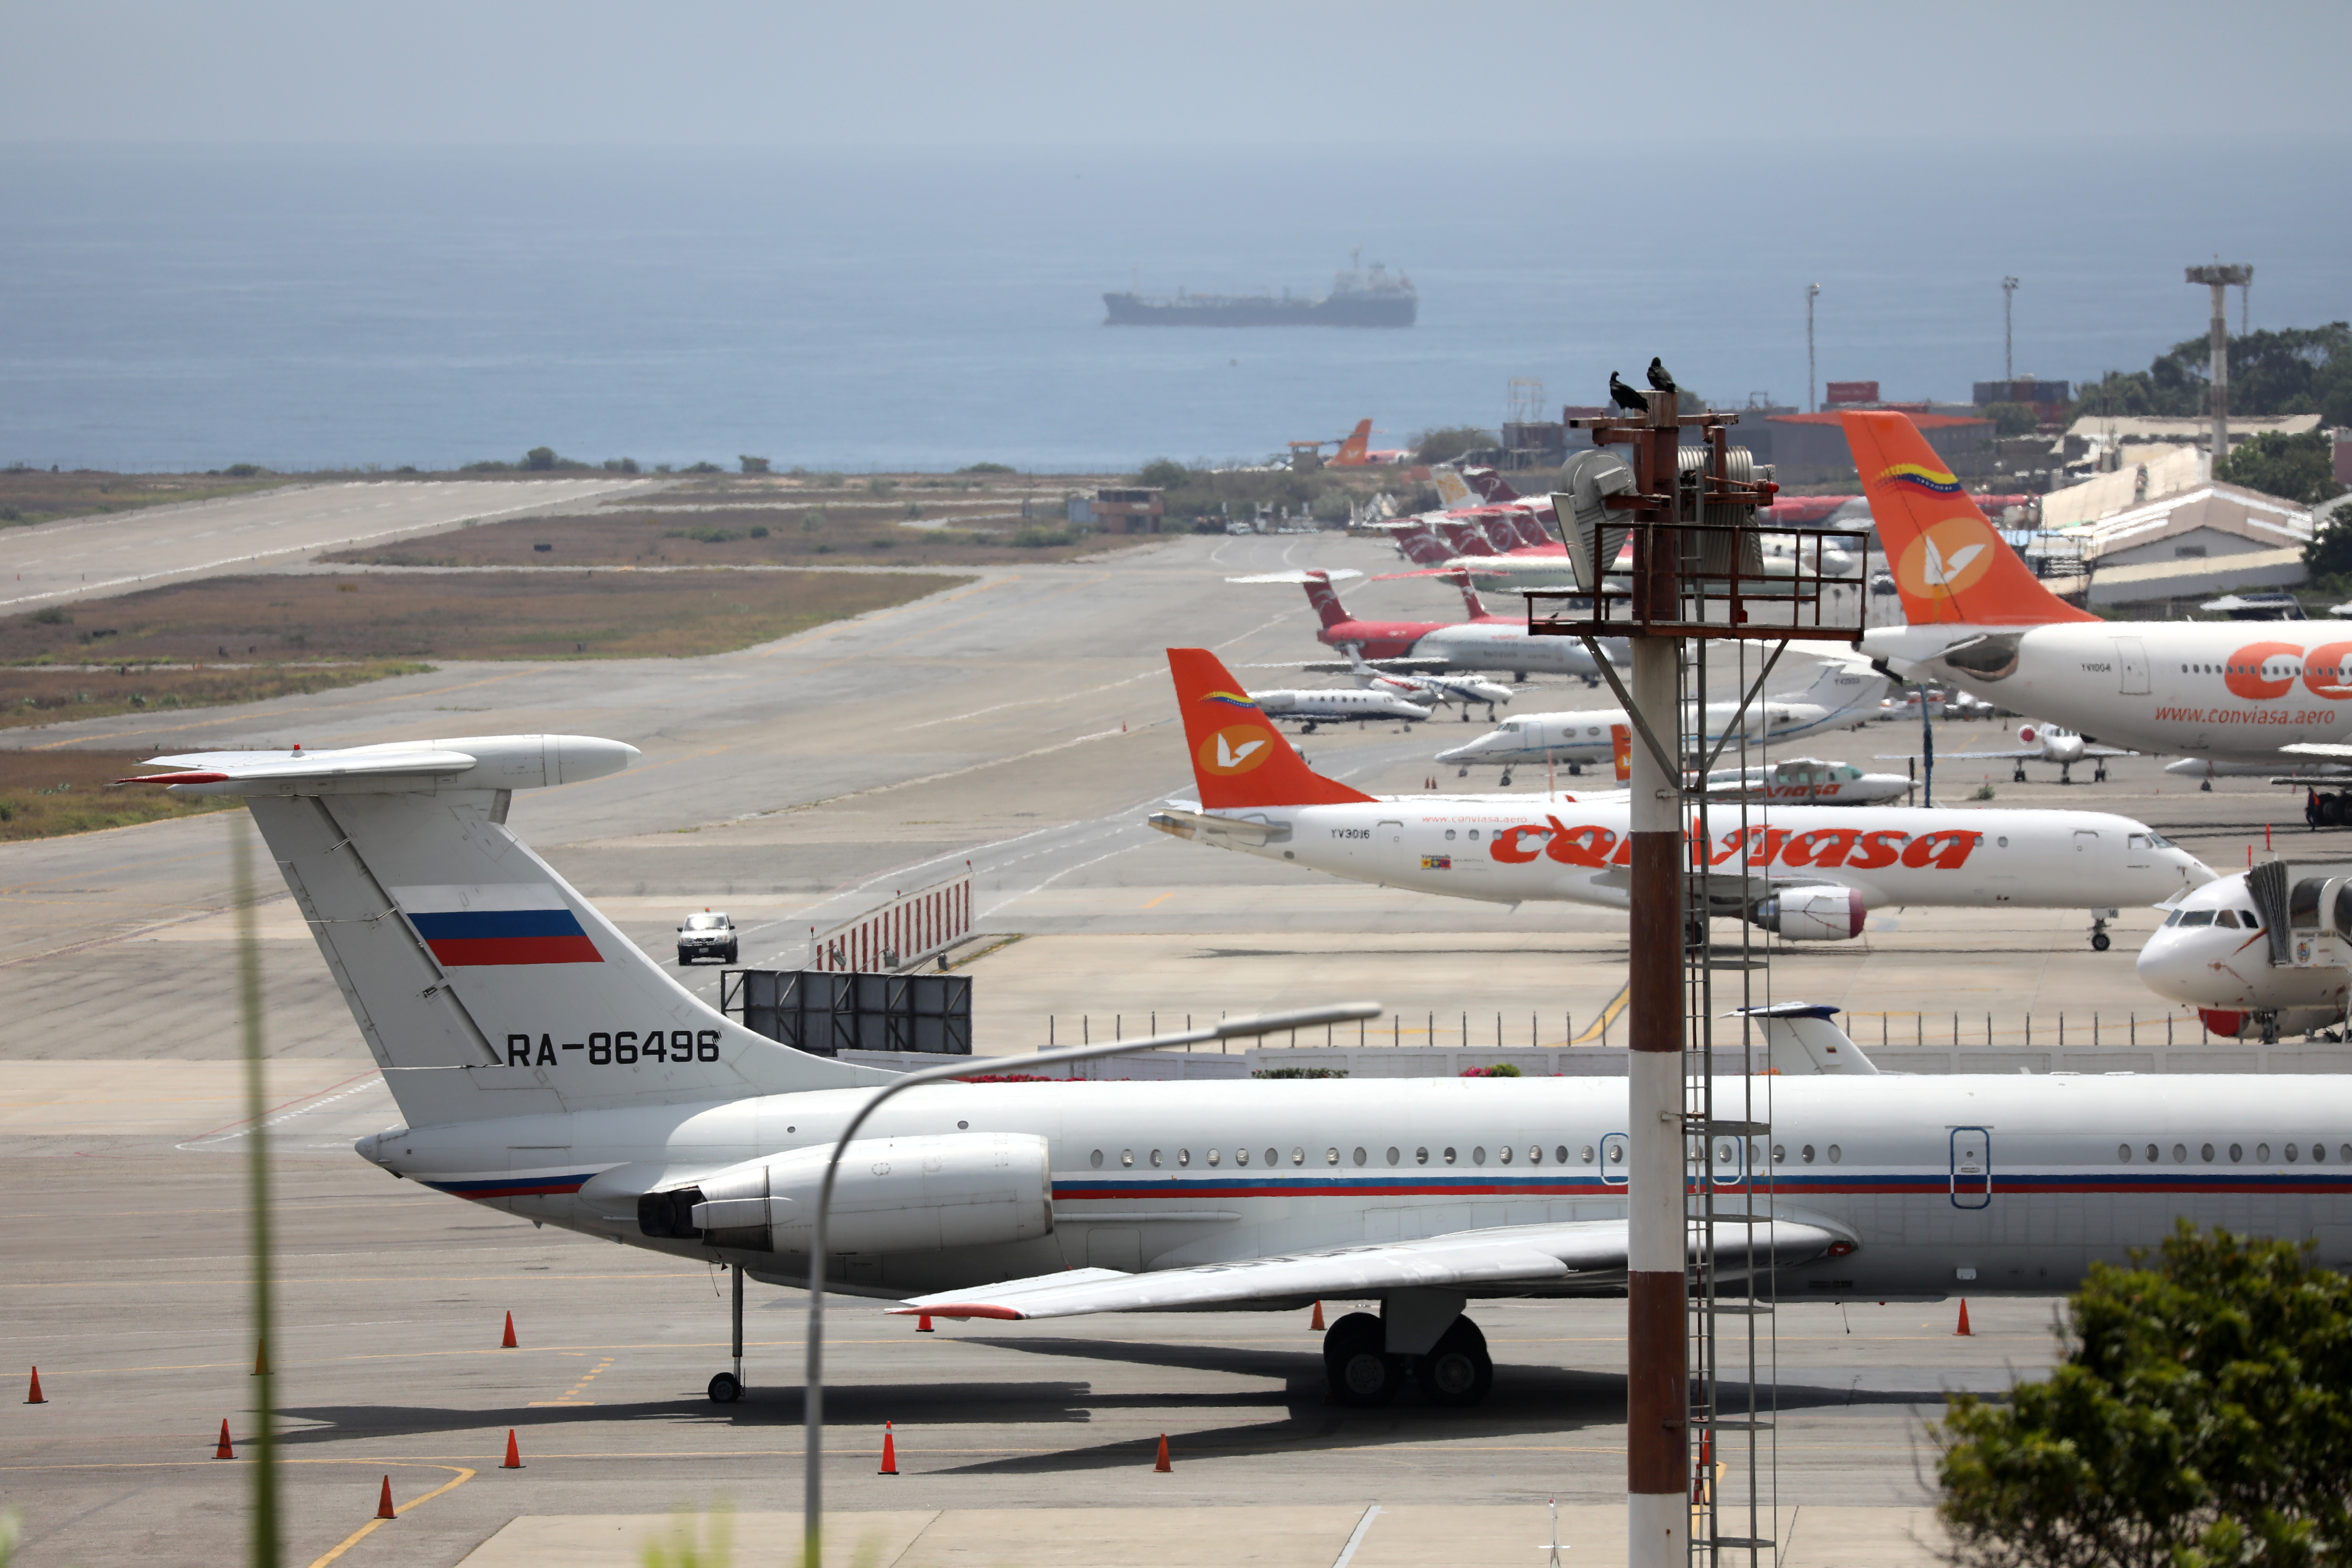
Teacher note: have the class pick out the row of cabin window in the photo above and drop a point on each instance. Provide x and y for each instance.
(1535, 1156)
(2336, 671)
(2237, 1152)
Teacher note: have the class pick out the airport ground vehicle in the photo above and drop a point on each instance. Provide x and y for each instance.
(546, 1066)
(709, 934)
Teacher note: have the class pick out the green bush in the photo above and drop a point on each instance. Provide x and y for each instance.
(759, 531)
(1300, 1072)
(1037, 536)
(539, 458)
(1164, 473)
(2011, 418)
(703, 468)
(1448, 442)
(1500, 1069)
(52, 616)
(245, 471)
(2297, 467)
(986, 469)
(753, 465)
(621, 465)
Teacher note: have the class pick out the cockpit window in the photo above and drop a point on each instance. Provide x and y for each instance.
(2246, 919)
(2197, 917)
(2226, 918)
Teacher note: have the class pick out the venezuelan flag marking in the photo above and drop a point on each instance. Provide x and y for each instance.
(1921, 477)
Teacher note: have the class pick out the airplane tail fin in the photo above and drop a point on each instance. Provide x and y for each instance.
(484, 984)
(1802, 1041)
(1530, 531)
(1949, 562)
(1846, 683)
(1355, 451)
(1420, 545)
(1466, 537)
(1454, 491)
(1325, 598)
(1239, 759)
(1620, 751)
(1471, 603)
(1491, 486)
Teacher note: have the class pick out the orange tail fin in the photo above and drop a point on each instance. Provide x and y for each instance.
(1239, 759)
(1620, 751)
(1949, 564)
(1355, 451)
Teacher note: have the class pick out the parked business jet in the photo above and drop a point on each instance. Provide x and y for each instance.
(1806, 781)
(2260, 954)
(1844, 693)
(1812, 877)
(2216, 690)
(1427, 689)
(1315, 706)
(2044, 744)
(546, 1066)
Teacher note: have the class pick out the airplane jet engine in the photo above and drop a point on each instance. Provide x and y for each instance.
(1814, 914)
(893, 1194)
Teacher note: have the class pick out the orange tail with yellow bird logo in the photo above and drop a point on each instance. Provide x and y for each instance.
(1949, 564)
(1239, 759)
(1355, 452)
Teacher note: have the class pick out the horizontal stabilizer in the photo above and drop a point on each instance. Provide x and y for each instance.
(481, 762)
(1507, 1256)
(1335, 574)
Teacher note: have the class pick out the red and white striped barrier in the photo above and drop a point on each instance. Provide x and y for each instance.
(910, 928)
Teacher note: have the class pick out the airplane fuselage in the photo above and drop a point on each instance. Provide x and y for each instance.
(2222, 690)
(1944, 1184)
(1516, 849)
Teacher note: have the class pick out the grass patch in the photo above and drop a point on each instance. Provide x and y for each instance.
(268, 624)
(48, 695)
(980, 533)
(44, 794)
(31, 495)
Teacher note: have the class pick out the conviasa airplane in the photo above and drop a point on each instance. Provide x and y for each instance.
(1812, 874)
(547, 1067)
(2220, 691)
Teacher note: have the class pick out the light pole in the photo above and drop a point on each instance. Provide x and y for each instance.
(2008, 341)
(813, 1388)
(2219, 277)
(1812, 292)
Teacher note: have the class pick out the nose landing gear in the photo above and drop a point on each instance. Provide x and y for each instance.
(2099, 919)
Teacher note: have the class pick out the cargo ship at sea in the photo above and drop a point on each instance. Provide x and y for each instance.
(1358, 297)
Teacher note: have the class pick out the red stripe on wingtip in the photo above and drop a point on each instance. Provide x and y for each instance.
(173, 778)
(961, 1310)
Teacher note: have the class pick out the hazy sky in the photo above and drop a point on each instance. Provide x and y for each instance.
(1200, 72)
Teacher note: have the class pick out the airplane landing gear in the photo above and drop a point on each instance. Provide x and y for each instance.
(728, 1386)
(1507, 778)
(1356, 1361)
(1457, 1371)
(2017, 774)
(2207, 786)
(2099, 772)
(2099, 919)
(1462, 772)
(2066, 773)
(1465, 715)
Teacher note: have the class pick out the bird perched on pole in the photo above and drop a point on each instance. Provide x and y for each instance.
(1624, 396)
(1660, 377)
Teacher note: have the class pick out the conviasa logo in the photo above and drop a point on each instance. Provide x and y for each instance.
(1827, 848)
(1235, 750)
(2266, 669)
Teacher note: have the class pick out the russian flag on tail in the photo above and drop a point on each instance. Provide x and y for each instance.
(502, 923)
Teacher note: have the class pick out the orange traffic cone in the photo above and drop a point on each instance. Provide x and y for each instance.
(923, 1324)
(36, 1397)
(513, 1460)
(1963, 1331)
(889, 1452)
(383, 1503)
(261, 1358)
(1160, 1465)
(1316, 1325)
(223, 1451)
(509, 1342)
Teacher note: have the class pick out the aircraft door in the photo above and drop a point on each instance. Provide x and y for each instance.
(1392, 831)
(2131, 665)
(2087, 843)
(1613, 1149)
(1971, 1168)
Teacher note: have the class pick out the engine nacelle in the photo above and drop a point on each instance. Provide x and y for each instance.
(892, 1194)
(1814, 914)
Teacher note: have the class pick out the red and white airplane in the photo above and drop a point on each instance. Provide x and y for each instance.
(1811, 875)
(1483, 642)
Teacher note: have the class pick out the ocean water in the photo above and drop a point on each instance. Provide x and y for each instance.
(171, 308)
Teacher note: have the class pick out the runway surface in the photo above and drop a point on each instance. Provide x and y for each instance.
(1023, 723)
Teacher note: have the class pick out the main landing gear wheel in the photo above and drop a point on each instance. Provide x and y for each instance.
(1457, 1371)
(725, 1390)
(1507, 778)
(2016, 775)
(1360, 1370)
(2099, 929)
(2099, 941)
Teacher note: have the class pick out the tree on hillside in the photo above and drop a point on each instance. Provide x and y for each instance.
(2297, 467)
(1164, 473)
(1448, 442)
(2203, 1415)
(2297, 369)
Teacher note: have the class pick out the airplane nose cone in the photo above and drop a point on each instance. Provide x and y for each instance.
(2165, 967)
(1465, 752)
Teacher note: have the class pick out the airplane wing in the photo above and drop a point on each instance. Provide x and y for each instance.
(2319, 748)
(1336, 574)
(1525, 1255)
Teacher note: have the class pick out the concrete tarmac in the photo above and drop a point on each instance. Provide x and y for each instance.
(1023, 723)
